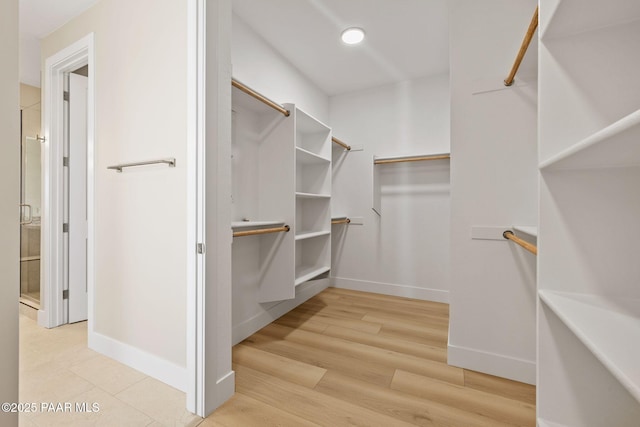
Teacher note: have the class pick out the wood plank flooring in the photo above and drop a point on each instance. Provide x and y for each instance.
(347, 358)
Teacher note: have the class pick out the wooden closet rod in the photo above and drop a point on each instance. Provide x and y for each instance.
(340, 143)
(260, 97)
(412, 159)
(341, 221)
(528, 246)
(284, 229)
(523, 49)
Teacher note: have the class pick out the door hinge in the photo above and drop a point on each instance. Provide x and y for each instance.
(65, 294)
(65, 161)
(201, 248)
(65, 228)
(65, 95)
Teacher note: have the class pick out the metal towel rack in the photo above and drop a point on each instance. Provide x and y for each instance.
(171, 161)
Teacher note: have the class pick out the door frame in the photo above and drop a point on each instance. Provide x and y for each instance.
(78, 54)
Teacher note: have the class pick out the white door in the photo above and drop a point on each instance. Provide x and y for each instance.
(77, 219)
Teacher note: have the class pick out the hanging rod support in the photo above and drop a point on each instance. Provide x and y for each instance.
(412, 159)
(340, 143)
(284, 229)
(508, 234)
(260, 97)
(523, 49)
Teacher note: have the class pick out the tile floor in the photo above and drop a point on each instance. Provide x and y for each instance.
(57, 367)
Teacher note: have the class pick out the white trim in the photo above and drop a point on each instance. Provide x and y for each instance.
(406, 291)
(262, 319)
(147, 363)
(195, 178)
(68, 59)
(493, 364)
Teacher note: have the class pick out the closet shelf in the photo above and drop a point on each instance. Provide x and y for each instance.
(312, 196)
(614, 146)
(527, 229)
(30, 258)
(236, 225)
(306, 273)
(309, 158)
(311, 234)
(562, 21)
(608, 327)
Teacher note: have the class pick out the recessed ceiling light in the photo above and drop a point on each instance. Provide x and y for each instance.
(353, 35)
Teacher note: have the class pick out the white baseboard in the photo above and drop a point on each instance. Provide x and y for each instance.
(147, 363)
(435, 295)
(252, 325)
(492, 364)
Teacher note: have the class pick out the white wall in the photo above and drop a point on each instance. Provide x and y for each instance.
(141, 215)
(494, 183)
(260, 66)
(9, 191)
(405, 251)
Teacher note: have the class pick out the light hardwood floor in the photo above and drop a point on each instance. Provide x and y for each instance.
(347, 358)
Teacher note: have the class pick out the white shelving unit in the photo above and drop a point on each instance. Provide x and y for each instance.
(313, 197)
(281, 174)
(588, 272)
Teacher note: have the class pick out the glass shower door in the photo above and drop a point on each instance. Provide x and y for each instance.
(30, 220)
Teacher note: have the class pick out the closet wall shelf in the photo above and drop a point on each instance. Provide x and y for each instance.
(311, 234)
(238, 225)
(412, 158)
(306, 273)
(608, 327)
(312, 196)
(531, 230)
(307, 157)
(614, 146)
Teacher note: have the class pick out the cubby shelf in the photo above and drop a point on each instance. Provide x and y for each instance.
(614, 146)
(306, 273)
(307, 157)
(589, 151)
(311, 234)
(605, 326)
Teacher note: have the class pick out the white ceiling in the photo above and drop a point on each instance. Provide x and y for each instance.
(405, 38)
(38, 18)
